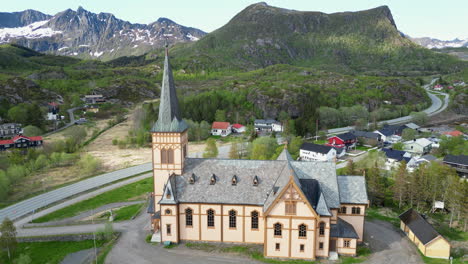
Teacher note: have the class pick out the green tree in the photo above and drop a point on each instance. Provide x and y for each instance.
(400, 185)
(351, 168)
(23, 259)
(8, 241)
(4, 185)
(234, 151)
(408, 134)
(89, 164)
(398, 146)
(294, 146)
(41, 162)
(263, 148)
(211, 150)
(31, 131)
(419, 118)
(220, 115)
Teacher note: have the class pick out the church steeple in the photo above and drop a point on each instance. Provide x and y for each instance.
(169, 119)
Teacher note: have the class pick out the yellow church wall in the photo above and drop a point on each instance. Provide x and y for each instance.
(341, 249)
(211, 233)
(334, 216)
(190, 232)
(254, 235)
(356, 220)
(307, 242)
(272, 240)
(233, 234)
(322, 239)
(169, 217)
(438, 248)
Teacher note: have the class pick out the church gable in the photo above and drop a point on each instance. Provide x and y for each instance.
(291, 201)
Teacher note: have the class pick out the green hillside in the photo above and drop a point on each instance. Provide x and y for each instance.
(352, 42)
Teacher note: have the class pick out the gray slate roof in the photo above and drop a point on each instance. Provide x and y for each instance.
(419, 226)
(365, 134)
(284, 155)
(343, 229)
(169, 119)
(352, 189)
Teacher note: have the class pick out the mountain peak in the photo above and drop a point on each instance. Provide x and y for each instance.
(165, 20)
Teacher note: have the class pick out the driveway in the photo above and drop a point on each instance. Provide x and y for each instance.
(389, 245)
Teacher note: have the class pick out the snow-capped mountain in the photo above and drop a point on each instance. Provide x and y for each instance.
(85, 34)
(432, 43)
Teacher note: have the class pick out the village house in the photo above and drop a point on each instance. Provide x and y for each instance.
(295, 209)
(21, 141)
(268, 125)
(53, 111)
(238, 128)
(394, 157)
(459, 162)
(310, 151)
(346, 140)
(415, 162)
(8, 130)
(438, 87)
(418, 146)
(453, 133)
(94, 99)
(368, 138)
(91, 108)
(423, 235)
(221, 129)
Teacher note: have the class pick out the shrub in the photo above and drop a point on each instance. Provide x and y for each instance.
(89, 164)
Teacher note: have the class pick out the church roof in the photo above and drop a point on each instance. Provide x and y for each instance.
(169, 119)
(352, 189)
(343, 229)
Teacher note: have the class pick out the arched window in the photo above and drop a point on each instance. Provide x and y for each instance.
(254, 220)
(302, 231)
(322, 229)
(358, 210)
(343, 210)
(188, 217)
(163, 156)
(211, 218)
(170, 156)
(277, 229)
(232, 219)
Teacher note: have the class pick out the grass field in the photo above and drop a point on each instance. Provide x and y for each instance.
(122, 194)
(374, 213)
(50, 252)
(124, 213)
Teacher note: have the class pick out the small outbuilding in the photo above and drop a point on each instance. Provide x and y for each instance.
(423, 235)
(221, 129)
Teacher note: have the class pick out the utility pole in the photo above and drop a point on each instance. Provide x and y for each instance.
(94, 236)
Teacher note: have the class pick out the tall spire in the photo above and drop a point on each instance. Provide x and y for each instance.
(169, 115)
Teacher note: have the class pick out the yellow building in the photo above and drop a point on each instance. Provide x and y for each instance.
(295, 209)
(424, 236)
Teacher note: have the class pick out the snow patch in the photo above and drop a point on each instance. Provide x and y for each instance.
(135, 46)
(191, 37)
(98, 53)
(62, 48)
(84, 45)
(31, 31)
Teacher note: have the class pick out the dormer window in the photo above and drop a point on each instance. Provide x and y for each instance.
(168, 194)
(213, 179)
(192, 178)
(255, 181)
(234, 180)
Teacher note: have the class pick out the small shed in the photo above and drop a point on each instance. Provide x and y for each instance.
(423, 235)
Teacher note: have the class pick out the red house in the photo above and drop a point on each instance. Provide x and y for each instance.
(345, 140)
(20, 141)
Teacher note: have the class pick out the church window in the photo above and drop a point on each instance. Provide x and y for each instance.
(254, 220)
(167, 156)
(168, 230)
(168, 211)
(211, 218)
(343, 210)
(356, 210)
(321, 245)
(188, 217)
(163, 156)
(301, 248)
(322, 229)
(347, 243)
(277, 246)
(232, 219)
(277, 229)
(302, 231)
(290, 207)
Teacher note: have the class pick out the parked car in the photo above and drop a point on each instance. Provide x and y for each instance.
(80, 121)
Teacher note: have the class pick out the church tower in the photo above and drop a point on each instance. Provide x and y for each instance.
(169, 135)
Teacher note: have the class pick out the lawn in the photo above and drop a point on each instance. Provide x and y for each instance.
(125, 213)
(122, 194)
(51, 252)
(374, 213)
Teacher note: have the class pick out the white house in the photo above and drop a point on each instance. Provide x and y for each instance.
(394, 157)
(418, 146)
(268, 125)
(415, 162)
(238, 128)
(221, 129)
(310, 152)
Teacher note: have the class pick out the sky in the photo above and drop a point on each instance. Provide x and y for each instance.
(444, 20)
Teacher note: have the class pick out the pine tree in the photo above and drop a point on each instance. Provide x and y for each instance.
(8, 238)
(400, 185)
(234, 151)
(211, 150)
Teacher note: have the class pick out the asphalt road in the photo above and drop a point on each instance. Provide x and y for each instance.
(436, 107)
(26, 207)
(69, 124)
(389, 245)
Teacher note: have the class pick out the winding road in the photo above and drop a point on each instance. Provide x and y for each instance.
(436, 107)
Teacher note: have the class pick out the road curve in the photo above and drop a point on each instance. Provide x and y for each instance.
(436, 107)
(35, 203)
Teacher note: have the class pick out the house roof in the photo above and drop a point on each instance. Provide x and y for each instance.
(454, 133)
(352, 189)
(36, 138)
(237, 126)
(220, 125)
(265, 121)
(412, 126)
(457, 159)
(365, 134)
(342, 229)
(169, 119)
(419, 226)
(423, 142)
(428, 157)
(398, 155)
(345, 136)
(316, 148)
(285, 155)
(5, 142)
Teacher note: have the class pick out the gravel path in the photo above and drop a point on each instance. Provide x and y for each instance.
(389, 245)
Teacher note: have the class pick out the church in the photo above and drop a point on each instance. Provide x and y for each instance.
(295, 209)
